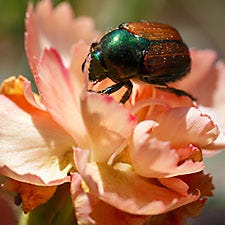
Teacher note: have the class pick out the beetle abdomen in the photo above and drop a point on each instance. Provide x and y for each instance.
(165, 61)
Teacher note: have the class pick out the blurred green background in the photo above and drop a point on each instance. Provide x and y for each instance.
(201, 23)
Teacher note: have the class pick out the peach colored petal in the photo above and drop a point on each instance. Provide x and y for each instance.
(78, 55)
(109, 125)
(34, 148)
(190, 152)
(219, 94)
(31, 97)
(88, 208)
(206, 83)
(218, 144)
(125, 190)
(154, 158)
(21, 86)
(60, 93)
(175, 184)
(146, 91)
(46, 28)
(81, 201)
(182, 126)
(148, 102)
(217, 116)
(201, 82)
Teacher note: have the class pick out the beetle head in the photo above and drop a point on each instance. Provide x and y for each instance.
(97, 69)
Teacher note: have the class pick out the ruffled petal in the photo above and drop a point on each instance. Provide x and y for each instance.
(206, 83)
(60, 92)
(147, 102)
(41, 34)
(34, 149)
(217, 116)
(154, 158)
(148, 94)
(89, 210)
(182, 126)
(125, 190)
(108, 123)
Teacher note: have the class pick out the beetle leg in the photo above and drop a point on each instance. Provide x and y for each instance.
(177, 92)
(116, 87)
(127, 94)
(111, 89)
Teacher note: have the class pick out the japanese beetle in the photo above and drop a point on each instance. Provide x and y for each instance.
(150, 52)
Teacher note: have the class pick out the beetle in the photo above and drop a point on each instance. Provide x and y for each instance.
(150, 52)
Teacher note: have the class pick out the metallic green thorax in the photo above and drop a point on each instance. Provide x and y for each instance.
(117, 56)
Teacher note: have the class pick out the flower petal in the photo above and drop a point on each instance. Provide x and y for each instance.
(154, 158)
(21, 86)
(108, 123)
(175, 184)
(201, 81)
(219, 94)
(184, 126)
(78, 55)
(34, 148)
(89, 210)
(126, 191)
(60, 93)
(42, 34)
(31, 97)
(147, 102)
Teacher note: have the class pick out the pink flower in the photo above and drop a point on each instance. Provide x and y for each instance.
(38, 132)
(205, 82)
(136, 162)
